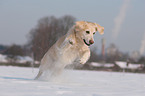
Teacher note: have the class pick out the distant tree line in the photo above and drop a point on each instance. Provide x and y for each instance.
(46, 33)
(113, 54)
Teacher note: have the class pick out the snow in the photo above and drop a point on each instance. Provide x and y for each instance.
(3, 58)
(18, 81)
(20, 59)
(95, 64)
(24, 59)
(121, 64)
(129, 66)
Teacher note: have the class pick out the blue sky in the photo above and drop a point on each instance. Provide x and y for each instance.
(18, 17)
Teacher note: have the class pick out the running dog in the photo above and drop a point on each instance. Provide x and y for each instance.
(74, 46)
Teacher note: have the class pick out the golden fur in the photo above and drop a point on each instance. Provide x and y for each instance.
(70, 47)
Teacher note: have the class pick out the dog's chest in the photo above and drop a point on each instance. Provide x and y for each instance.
(71, 53)
(74, 53)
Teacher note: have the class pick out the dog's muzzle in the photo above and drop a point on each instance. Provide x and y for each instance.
(90, 42)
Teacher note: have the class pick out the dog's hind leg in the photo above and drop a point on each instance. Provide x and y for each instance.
(38, 75)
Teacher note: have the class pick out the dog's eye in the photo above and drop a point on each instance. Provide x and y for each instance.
(94, 33)
(88, 32)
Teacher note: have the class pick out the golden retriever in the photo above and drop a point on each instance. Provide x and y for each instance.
(70, 47)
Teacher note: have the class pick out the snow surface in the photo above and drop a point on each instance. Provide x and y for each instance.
(95, 64)
(20, 59)
(123, 65)
(18, 81)
(3, 58)
(24, 59)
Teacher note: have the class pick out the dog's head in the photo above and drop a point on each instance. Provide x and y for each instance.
(86, 30)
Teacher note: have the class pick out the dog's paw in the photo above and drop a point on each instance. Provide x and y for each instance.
(82, 61)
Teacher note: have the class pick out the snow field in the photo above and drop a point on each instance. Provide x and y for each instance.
(18, 81)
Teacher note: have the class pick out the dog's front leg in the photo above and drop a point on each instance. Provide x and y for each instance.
(85, 57)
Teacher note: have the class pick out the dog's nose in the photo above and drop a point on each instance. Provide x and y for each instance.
(91, 41)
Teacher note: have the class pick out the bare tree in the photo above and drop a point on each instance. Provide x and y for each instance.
(46, 33)
(14, 50)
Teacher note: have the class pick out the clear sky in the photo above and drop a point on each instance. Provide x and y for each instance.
(123, 20)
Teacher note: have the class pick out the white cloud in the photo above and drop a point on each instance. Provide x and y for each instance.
(118, 21)
(142, 47)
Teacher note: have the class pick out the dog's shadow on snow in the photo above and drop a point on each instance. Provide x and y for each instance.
(14, 78)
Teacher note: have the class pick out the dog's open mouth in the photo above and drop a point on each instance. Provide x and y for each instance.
(86, 42)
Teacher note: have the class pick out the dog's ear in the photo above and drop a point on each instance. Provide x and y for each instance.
(99, 28)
